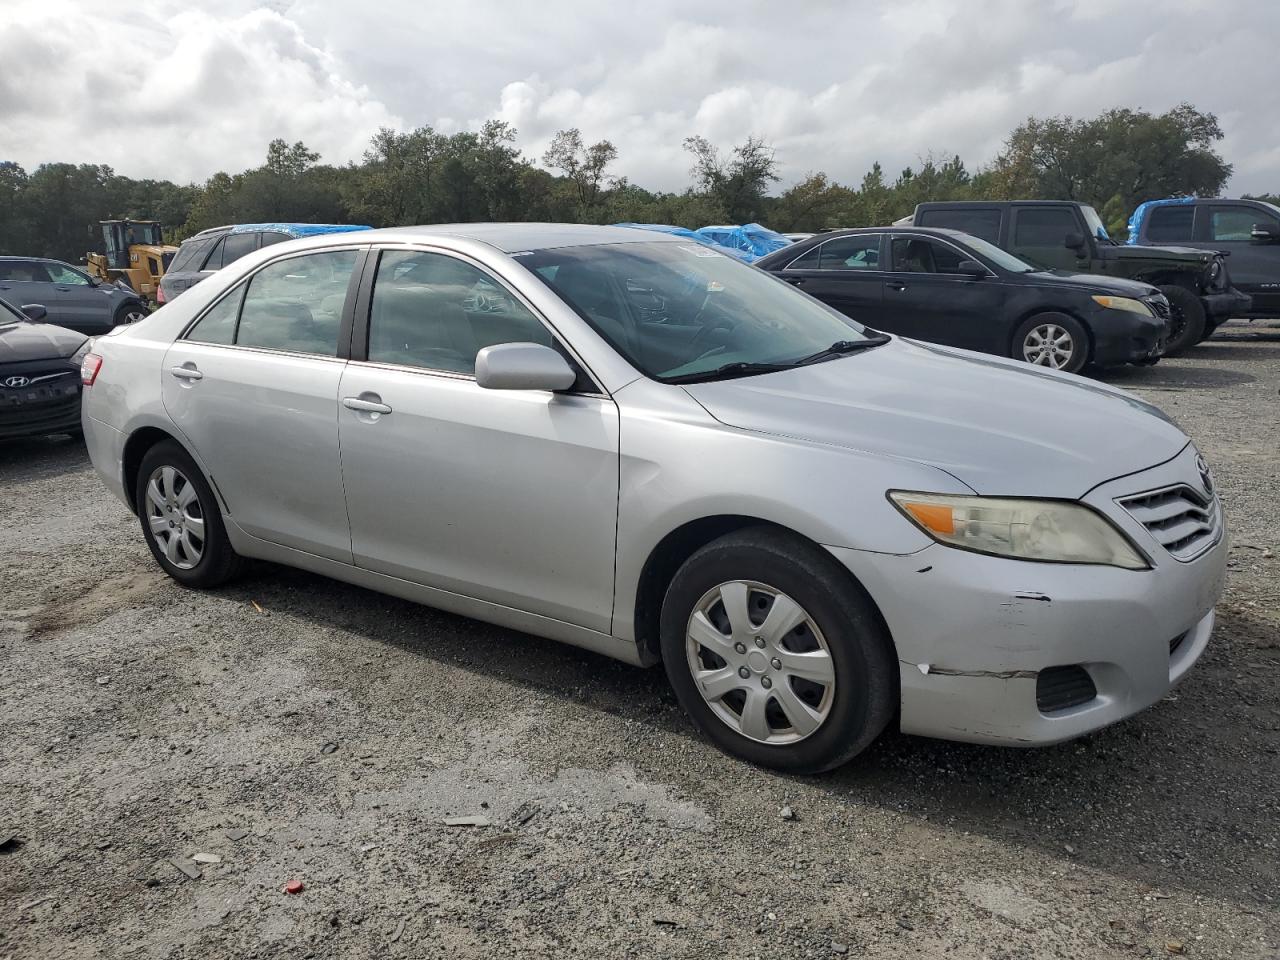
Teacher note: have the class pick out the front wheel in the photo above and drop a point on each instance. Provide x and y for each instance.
(1187, 320)
(128, 313)
(1053, 340)
(181, 520)
(775, 654)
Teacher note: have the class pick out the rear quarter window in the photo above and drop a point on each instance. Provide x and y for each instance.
(190, 254)
(1170, 224)
(984, 223)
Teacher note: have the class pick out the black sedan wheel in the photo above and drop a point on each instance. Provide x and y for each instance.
(1052, 340)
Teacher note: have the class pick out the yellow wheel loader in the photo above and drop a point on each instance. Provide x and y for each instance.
(136, 255)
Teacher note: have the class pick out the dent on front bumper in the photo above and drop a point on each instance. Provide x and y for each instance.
(1121, 337)
(974, 632)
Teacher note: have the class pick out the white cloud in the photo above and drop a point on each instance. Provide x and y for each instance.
(833, 85)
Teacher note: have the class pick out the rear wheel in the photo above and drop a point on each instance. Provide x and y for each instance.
(1187, 320)
(1053, 340)
(775, 654)
(128, 313)
(181, 520)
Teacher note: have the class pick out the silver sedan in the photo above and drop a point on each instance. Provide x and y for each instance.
(637, 445)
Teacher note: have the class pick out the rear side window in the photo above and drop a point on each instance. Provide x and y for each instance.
(191, 254)
(1043, 226)
(982, 223)
(271, 236)
(237, 245)
(434, 311)
(860, 252)
(1170, 224)
(23, 271)
(296, 304)
(219, 324)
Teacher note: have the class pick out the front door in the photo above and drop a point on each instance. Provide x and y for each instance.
(27, 281)
(81, 305)
(1254, 266)
(254, 388)
(505, 496)
(845, 273)
(926, 297)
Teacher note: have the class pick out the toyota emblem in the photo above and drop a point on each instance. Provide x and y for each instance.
(1206, 477)
(16, 382)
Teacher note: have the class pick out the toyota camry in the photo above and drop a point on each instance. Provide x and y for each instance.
(638, 445)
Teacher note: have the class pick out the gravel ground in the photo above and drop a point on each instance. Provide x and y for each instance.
(172, 759)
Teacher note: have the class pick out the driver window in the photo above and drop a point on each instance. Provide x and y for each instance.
(434, 311)
(920, 255)
(64, 274)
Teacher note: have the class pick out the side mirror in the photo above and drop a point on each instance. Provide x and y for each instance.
(1074, 241)
(523, 366)
(972, 269)
(1264, 233)
(35, 311)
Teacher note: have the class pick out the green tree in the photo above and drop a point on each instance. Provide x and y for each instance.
(737, 183)
(584, 167)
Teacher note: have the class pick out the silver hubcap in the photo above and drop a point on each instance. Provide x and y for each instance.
(760, 662)
(133, 316)
(174, 517)
(1048, 345)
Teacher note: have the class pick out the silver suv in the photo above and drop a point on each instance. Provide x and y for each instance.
(635, 444)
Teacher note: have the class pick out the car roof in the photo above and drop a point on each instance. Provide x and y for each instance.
(853, 231)
(11, 256)
(510, 237)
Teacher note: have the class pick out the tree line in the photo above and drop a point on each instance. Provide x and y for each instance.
(1113, 161)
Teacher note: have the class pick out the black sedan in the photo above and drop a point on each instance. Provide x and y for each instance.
(39, 374)
(949, 287)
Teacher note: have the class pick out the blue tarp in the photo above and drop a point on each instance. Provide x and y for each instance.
(697, 236)
(1135, 221)
(751, 239)
(299, 229)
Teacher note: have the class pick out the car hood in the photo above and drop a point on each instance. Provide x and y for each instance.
(1000, 427)
(1126, 252)
(37, 341)
(1118, 286)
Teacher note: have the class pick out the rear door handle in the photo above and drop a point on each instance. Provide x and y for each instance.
(798, 281)
(365, 406)
(896, 285)
(186, 373)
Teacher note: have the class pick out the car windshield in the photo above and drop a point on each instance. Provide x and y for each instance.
(1001, 258)
(1094, 223)
(681, 310)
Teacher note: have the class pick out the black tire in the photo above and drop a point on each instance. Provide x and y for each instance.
(1188, 321)
(217, 562)
(861, 652)
(128, 313)
(1080, 347)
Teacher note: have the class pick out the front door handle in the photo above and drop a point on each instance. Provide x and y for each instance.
(63, 289)
(186, 373)
(897, 285)
(798, 281)
(364, 405)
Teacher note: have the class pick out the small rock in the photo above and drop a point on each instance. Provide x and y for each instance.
(329, 747)
(103, 844)
(236, 834)
(840, 948)
(466, 821)
(103, 681)
(905, 924)
(399, 931)
(207, 858)
(665, 922)
(787, 813)
(1174, 946)
(185, 867)
(366, 847)
(1069, 848)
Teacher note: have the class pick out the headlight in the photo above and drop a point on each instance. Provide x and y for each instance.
(1049, 530)
(1215, 271)
(1123, 303)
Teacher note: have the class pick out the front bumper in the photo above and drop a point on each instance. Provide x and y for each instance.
(49, 403)
(974, 632)
(1121, 337)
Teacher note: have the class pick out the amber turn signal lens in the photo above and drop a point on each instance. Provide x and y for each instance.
(932, 516)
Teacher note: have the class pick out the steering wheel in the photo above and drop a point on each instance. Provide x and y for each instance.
(723, 323)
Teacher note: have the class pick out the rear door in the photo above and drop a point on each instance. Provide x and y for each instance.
(926, 297)
(845, 273)
(27, 281)
(508, 496)
(1254, 266)
(253, 385)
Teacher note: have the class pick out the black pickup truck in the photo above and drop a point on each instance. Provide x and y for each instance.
(1070, 236)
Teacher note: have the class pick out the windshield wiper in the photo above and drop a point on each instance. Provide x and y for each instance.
(735, 369)
(842, 347)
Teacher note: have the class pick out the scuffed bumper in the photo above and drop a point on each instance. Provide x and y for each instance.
(973, 633)
(106, 452)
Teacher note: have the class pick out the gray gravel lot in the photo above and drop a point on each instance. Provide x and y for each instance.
(292, 728)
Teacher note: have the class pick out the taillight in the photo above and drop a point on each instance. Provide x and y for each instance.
(160, 293)
(89, 368)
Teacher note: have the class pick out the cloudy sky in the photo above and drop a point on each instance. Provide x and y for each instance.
(181, 90)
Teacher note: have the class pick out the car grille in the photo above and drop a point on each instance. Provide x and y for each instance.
(1182, 520)
(1060, 688)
